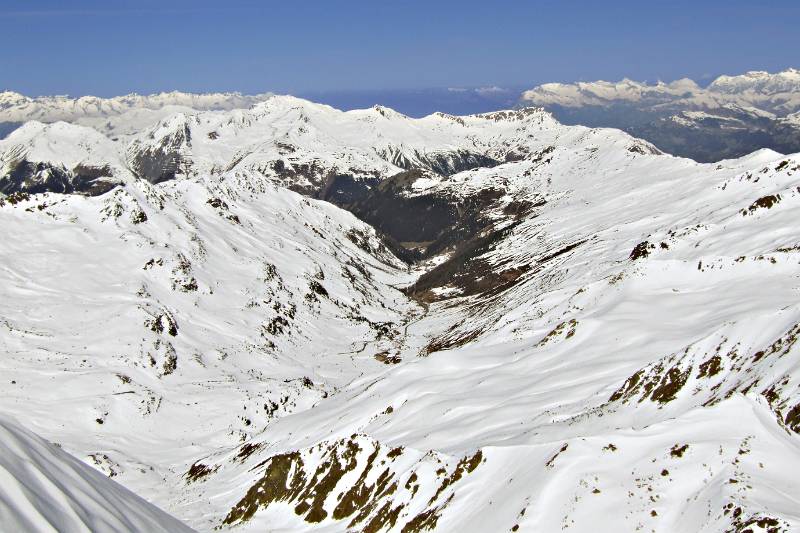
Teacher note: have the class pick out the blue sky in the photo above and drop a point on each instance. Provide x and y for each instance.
(116, 47)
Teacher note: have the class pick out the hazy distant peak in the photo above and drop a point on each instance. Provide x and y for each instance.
(15, 107)
(601, 92)
(758, 81)
(773, 93)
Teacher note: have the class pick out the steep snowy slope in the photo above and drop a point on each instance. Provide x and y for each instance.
(155, 324)
(44, 489)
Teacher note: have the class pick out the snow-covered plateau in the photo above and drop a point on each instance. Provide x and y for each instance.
(293, 318)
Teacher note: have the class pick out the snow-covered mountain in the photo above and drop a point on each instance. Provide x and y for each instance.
(585, 323)
(732, 116)
(60, 157)
(42, 488)
(307, 147)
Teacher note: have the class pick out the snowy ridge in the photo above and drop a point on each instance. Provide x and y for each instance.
(45, 489)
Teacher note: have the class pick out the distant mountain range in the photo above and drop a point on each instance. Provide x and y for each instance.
(113, 116)
(733, 116)
(15, 107)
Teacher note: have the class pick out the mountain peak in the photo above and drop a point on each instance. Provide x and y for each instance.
(388, 112)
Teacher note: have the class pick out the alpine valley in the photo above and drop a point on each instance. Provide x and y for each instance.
(266, 314)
